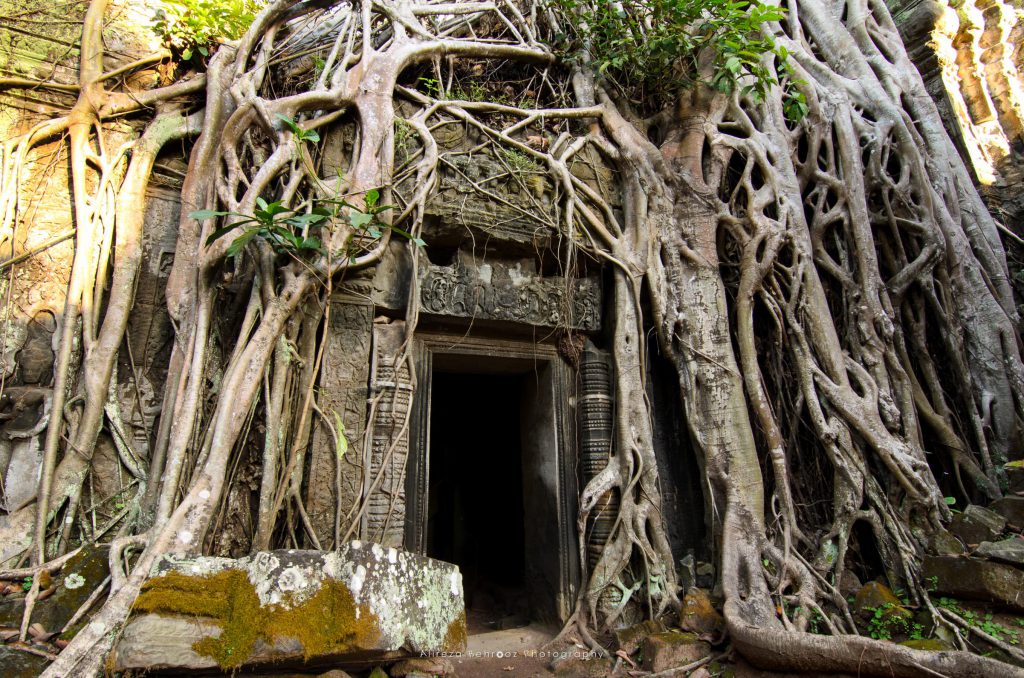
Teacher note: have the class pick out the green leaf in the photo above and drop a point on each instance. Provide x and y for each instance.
(220, 233)
(289, 123)
(340, 441)
(950, 500)
(239, 243)
(359, 220)
(301, 220)
(371, 198)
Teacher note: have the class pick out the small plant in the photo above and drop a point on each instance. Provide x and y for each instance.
(887, 619)
(518, 161)
(26, 584)
(273, 222)
(190, 28)
(301, 135)
(432, 87)
(287, 230)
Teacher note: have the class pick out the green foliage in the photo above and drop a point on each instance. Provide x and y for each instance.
(432, 86)
(26, 584)
(290, 232)
(986, 622)
(519, 162)
(301, 135)
(886, 620)
(279, 226)
(656, 44)
(190, 28)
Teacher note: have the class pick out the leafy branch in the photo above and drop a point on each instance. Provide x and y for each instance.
(651, 48)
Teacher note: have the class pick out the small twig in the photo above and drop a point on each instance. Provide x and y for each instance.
(31, 650)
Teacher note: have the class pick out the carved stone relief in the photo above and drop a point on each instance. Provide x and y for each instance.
(343, 382)
(391, 391)
(510, 292)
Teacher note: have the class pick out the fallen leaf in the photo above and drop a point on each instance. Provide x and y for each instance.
(625, 657)
(508, 668)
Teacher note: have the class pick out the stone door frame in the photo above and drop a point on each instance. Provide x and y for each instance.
(500, 356)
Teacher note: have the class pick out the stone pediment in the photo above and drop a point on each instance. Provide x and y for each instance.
(510, 291)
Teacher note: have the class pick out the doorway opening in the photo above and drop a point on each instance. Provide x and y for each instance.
(476, 502)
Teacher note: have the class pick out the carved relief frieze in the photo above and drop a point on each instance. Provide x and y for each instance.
(509, 292)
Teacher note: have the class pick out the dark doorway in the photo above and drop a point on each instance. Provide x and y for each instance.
(476, 512)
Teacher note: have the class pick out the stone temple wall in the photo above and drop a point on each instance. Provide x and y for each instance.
(971, 56)
(38, 41)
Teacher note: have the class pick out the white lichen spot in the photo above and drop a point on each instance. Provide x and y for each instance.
(455, 583)
(377, 551)
(331, 565)
(185, 537)
(357, 581)
(292, 579)
(357, 544)
(392, 556)
(74, 581)
(204, 494)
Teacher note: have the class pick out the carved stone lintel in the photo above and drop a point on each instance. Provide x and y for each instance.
(508, 292)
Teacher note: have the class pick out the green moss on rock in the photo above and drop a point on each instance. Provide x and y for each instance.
(328, 622)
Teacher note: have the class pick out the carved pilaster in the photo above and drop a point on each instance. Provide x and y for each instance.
(391, 390)
(343, 385)
(596, 410)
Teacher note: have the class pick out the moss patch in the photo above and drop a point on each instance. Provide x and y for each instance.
(329, 622)
(456, 637)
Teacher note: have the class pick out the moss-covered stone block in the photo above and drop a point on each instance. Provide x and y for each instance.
(671, 649)
(360, 605)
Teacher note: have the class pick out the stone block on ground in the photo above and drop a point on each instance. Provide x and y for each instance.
(1006, 551)
(943, 543)
(976, 579)
(353, 608)
(430, 666)
(699, 615)
(1011, 508)
(671, 649)
(71, 587)
(629, 639)
(574, 666)
(977, 524)
(18, 664)
(877, 596)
